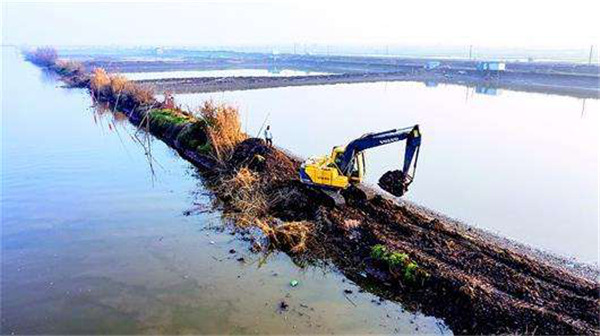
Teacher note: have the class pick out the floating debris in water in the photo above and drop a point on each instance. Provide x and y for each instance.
(283, 305)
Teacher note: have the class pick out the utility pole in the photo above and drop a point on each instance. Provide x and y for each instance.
(470, 52)
(591, 54)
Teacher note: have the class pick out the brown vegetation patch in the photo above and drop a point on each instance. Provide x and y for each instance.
(44, 56)
(224, 128)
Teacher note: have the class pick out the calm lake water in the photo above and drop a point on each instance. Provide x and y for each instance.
(92, 243)
(521, 164)
(220, 73)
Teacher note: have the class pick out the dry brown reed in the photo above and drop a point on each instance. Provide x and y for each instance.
(140, 94)
(99, 80)
(246, 198)
(118, 83)
(292, 235)
(249, 207)
(224, 128)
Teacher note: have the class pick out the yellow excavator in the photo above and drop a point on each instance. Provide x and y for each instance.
(345, 166)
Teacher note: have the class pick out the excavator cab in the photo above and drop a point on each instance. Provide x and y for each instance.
(325, 171)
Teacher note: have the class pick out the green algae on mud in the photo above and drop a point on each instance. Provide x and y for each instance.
(477, 286)
(399, 262)
(166, 117)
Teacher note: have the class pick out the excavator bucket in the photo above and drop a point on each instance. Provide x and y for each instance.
(395, 182)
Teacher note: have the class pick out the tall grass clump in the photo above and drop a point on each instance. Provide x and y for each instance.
(293, 236)
(119, 90)
(71, 72)
(249, 207)
(139, 94)
(43, 56)
(118, 83)
(99, 81)
(242, 190)
(224, 128)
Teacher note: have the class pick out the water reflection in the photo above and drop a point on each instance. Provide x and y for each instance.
(48, 77)
(487, 90)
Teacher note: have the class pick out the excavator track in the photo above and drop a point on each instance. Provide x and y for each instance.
(352, 194)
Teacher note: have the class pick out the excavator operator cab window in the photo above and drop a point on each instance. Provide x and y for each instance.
(338, 159)
(358, 167)
(355, 171)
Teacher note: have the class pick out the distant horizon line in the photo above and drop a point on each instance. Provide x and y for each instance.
(307, 44)
(469, 52)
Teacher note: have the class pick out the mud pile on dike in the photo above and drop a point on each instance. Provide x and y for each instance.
(427, 263)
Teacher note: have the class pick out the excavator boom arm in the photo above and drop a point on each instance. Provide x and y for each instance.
(412, 136)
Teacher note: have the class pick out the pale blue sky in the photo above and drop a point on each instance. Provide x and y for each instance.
(502, 23)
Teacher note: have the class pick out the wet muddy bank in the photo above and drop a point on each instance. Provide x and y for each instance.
(425, 262)
(567, 85)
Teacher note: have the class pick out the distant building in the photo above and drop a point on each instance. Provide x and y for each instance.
(491, 66)
(430, 65)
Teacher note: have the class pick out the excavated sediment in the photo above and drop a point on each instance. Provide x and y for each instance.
(391, 182)
(399, 252)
